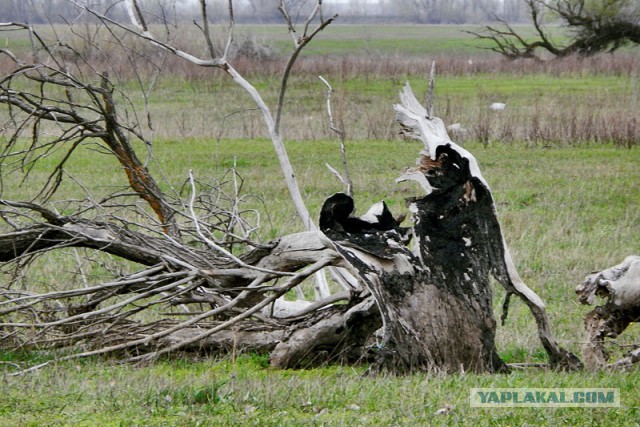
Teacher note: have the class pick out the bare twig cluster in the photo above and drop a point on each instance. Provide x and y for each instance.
(203, 274)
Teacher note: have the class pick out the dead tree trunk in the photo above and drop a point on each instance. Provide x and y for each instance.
(435, 301)
(436, 305)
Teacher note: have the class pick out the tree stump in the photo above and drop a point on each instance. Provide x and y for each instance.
(435, 299)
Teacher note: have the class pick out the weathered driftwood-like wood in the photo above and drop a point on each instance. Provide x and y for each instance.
(178, 274)
(343, 334)
(286, 254)
(620, 287)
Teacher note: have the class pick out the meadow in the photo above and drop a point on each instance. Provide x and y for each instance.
(562, 161)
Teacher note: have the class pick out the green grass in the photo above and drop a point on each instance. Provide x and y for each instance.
(341, 39)
(597, 104)
(337, 39)
(391, 39)
(244, 392)
(508, 85)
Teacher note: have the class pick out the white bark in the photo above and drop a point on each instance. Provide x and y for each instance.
(620, 287)
(620, 284)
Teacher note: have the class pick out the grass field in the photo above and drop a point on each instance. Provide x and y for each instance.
(568, 201)
(565, 211)
(244, 392)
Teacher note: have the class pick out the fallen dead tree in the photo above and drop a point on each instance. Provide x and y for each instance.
(411, 298)
(434, 304)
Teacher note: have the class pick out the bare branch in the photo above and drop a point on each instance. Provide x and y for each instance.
(299, 44)
(229, 30)
(595, 27)
(135, 15)
(222, 62)
(431, 90)
(97, 119)
(346, 179)
(205, 28)
(292, 282)
(215, 246)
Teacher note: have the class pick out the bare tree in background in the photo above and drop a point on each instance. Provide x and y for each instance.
(199, 280)
(592, 26)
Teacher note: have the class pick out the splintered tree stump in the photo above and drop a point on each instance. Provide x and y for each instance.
(435, 299)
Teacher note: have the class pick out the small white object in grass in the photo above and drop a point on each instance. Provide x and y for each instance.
(498, 106)
(446, 409)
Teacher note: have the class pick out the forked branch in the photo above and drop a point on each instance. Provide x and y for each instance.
(84, 113)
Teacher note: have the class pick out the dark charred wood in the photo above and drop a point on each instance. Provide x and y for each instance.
(336, 216)
(436, 307)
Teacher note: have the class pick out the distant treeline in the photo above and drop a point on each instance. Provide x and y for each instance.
(265, 11)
